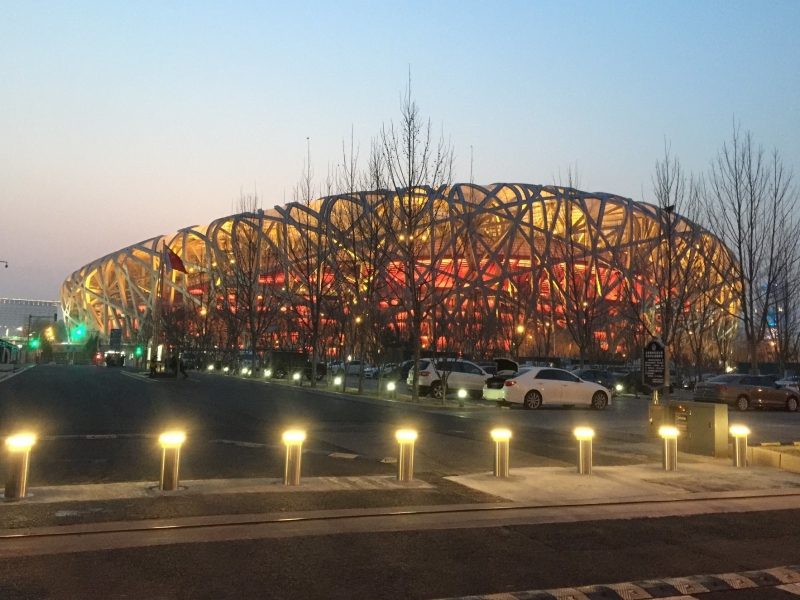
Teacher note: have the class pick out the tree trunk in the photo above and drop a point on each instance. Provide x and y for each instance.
(753, 351)
(417, 357)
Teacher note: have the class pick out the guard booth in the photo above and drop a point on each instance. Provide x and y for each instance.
(702, 427)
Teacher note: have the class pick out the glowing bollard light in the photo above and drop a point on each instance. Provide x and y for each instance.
(462, 395)
(739, 433)
(405, 458)
(337, 382)
(19, 448)
(268, 373)
(391, 387)
(501, 438)
(669, 459)
(296, 378)
(170, 459)
(294, 453)
(584, 436)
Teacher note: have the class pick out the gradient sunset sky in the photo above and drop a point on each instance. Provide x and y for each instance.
(120, 121)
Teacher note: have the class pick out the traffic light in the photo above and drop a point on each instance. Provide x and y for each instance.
(34, 343)
(138, 351)
(80, 331)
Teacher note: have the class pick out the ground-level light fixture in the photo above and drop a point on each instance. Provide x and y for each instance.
(19, 447)
(337, 381)
(391, 387)
(293, 439)
(584, 436)
(225, 369)
(619, 387)
(210, 367)
(501, 439)
(669, 458)
(739, 433)
(171, 442)
(462, 393)
(405, 457)
(267, 372)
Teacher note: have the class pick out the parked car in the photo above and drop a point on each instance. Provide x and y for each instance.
(793, 381)
(631, 383)
(747, 391)
(461, 374)
(545, 385)
(504, 369)
(604, 378)
(284, 362)
(354, 367)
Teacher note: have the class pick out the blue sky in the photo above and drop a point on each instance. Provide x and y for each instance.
(120, 121)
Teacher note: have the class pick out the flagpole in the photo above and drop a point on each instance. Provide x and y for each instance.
(157, 311)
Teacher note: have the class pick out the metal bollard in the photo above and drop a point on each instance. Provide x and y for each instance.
(405, 458)
(501, 461)
(391, 387)
(739, 433)
(584, 436)
(669, 458)
(294, 455)
(170, 460)
(19, 449)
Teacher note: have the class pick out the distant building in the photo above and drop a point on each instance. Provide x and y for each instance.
(15, 313)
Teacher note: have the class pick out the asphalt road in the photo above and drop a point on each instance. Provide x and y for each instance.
(67, 404)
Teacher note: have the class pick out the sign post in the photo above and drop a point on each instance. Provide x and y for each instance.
(653, 363)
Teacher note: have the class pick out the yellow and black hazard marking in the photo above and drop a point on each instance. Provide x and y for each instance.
(786, 579)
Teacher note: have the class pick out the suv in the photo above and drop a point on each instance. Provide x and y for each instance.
(462, 375)
(604, 378)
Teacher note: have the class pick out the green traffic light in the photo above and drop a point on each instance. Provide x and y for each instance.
(34, 343)
(138, 351)
(79, 332)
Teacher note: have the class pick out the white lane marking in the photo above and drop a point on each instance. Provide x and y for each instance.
(342, 455)
(7, 377)
(138, 377)
(241, 444)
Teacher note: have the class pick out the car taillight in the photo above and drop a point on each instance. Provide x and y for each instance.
(510, 383)
(424, 373)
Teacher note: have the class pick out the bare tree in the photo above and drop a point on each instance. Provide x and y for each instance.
(309, 288)
(419, 170)
(750, 201)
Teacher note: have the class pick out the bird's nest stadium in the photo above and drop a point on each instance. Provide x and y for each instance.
(505, 254)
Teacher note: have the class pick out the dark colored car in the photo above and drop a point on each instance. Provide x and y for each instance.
(604, 378)
(747, 391)
(284, 362)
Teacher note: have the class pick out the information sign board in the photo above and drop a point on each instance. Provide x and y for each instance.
(115, 339)
(653, 361)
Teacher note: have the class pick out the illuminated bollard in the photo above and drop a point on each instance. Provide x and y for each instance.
(391, 388)
(19, 449)
(669, 459)
(294, 454)
(462, 395)
(501, 438)
(170, 460)
(584, 436)
(739, 433)
(297, 380)
(405, 458)
(268, 373)
(337, 382)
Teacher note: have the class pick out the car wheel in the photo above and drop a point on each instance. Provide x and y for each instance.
(437, 391)
(599, 400)
(791, 404)
(533, 400)
(742, 403)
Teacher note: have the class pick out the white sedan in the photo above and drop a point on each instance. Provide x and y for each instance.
(545, 385)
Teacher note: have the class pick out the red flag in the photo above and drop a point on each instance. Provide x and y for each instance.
(172, 261)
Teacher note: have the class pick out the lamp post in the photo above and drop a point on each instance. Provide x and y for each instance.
(405, 458)
(170, 459)
(294, 454)
(669, 459)
(584, 436)
(501, 438)
(739, 433)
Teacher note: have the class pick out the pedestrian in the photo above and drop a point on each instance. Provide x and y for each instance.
(173, 365)
(182, 367)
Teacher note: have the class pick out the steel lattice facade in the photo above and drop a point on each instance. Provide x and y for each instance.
(513, 228)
